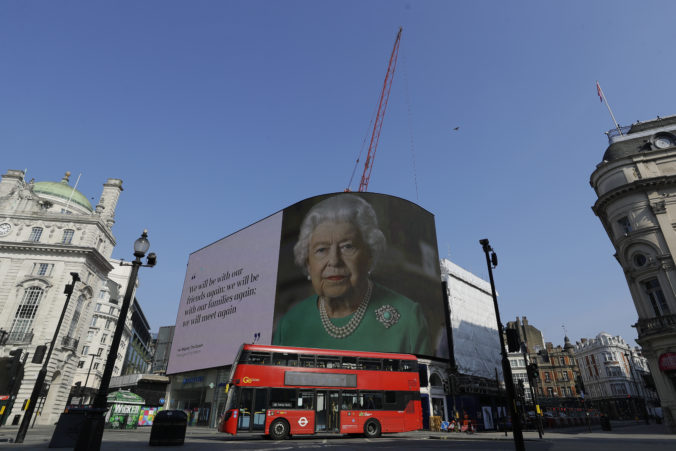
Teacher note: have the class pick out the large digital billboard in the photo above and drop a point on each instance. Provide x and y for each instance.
(353, 271)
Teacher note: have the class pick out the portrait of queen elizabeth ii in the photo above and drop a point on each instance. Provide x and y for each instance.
(338, 247)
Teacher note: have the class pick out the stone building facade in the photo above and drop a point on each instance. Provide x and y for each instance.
(47, 231)
(636, 188)
(613, 377)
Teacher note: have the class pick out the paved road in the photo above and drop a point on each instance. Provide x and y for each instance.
(624, 436)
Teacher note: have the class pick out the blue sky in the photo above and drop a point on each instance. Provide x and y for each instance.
(218, 113)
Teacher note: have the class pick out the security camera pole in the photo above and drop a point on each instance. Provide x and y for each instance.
(492, 262)
(37, 389)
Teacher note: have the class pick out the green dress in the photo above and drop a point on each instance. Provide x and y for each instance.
(302, 326)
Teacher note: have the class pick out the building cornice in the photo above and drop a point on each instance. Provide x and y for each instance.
(87, 252)
(62, 218)
(636, 186)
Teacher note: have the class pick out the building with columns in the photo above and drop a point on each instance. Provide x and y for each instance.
(49, 230)
(636, 187)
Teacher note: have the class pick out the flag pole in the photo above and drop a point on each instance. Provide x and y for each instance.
(73, 191)
(604, 99)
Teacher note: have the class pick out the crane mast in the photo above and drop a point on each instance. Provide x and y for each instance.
(380, 115)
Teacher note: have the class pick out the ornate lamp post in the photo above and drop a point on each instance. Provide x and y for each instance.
(92, 431)
(492, 262)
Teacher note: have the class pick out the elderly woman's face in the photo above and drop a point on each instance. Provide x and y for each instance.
(338, 261)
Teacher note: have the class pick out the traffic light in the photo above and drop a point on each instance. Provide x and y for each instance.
(532, 370)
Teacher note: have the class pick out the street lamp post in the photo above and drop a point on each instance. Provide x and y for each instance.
(42, 374)
(638, 394)
(91, 432)
(491, 262)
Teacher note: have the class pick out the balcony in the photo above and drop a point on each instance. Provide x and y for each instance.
(19, 338)
(69, 342)
(657, 325)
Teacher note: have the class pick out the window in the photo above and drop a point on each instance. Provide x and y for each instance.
(102, 294)
(625, 225)
(550, 392)
(66, 212)
(93, 323)
(565, 376)
(96, 366)
(85, 350)
(656, 296)
(282, 397)
(36, 233)
(76, 316)
(372, 401)
(103, 338)
(90, 334)
(67, 237)
(99, 352)
(80, 364)
(108, 323)
(25, 313)
(111, 310)
(42, 269)
(547, 377)
(563, 361)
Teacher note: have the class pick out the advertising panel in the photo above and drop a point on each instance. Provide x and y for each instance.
(228, 298)
(353, 271)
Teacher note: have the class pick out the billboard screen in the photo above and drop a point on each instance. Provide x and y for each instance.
(340, 271)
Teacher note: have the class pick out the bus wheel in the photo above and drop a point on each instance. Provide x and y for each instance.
(372, 429)
(279, 429)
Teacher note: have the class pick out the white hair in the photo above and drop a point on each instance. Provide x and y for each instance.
(341, 208)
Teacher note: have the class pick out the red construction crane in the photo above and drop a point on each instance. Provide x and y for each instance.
(380, 115)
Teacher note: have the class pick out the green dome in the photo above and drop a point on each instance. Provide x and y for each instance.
(64, 191)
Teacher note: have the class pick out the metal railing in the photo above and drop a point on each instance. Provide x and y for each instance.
(17, 338)
(69, 342)
(655, 325)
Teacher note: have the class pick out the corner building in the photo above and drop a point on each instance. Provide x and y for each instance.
(48, 230)
(636, 188)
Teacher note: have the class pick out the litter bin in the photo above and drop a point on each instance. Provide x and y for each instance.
(168, 428)
(605, 423)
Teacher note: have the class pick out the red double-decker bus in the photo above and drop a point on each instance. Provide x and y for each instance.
(282, 391)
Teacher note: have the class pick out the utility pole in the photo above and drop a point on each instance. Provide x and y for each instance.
(491, 262)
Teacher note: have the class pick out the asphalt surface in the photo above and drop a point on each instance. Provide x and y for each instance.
(623, 436)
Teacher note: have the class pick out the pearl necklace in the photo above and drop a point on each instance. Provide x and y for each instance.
(351, 326)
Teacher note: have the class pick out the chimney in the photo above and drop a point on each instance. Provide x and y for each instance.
(108, 202)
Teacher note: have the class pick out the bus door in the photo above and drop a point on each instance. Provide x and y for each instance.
(252, 409)
(327, 411)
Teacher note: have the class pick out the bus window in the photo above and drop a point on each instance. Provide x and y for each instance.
(282, 397)
(284, 359)
(369, 364)
(306, 400)
(255, 358)
(324, 361)
(350, 401)
(390, 365)
(372, 401)
(307, 361)
(390, 397)
(409, 366)
(349, 363)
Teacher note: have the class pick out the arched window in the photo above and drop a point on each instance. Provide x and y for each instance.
(435, 380)
(76, 316)
(23, 319)
(36, 233)
(67, 236)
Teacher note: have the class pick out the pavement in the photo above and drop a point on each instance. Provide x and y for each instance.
(39, 436)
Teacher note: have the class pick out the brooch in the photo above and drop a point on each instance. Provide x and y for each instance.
(387, 315)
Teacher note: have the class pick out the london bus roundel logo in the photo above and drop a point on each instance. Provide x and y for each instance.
(302, 422)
